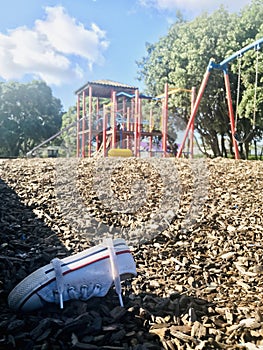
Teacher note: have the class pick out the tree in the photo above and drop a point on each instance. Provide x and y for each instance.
(250, 106)
(181, 57)
(29, 114)
(68, 137)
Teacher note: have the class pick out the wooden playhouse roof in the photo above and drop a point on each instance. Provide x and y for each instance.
(104, 88)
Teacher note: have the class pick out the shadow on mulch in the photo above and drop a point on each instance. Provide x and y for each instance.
(146, 321)
(26, 243)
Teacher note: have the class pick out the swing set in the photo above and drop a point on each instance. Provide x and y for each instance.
(236, 138)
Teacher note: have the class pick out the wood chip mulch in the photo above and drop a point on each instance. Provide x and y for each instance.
(199, 286)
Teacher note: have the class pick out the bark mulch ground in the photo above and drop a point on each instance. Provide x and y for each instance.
(200, 276)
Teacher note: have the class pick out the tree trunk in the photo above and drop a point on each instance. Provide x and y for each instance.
(203, 144)
(214, 144)
(256, 150)
(199, 147)
(247, 149)
(223, 146)
(241, 150)
(231, 145)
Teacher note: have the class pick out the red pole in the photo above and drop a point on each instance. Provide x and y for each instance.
(132, 127)
(165, 120)
(97, 119)
(124, 125)
(128, 127)
(90, 119)
(136, 129)
(192, 125)
(83, 123)
(151, 130)
(194, 111)
(78, 126)
(231, 113)
(124, 107)
(139, 123)
(104, 130)
(113, 119)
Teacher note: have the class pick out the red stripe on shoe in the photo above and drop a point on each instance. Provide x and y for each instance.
(65, 273)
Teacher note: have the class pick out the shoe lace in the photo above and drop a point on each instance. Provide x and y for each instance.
(59, 279)
(85, 291)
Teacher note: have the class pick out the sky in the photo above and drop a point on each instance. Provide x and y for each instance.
(67, 43)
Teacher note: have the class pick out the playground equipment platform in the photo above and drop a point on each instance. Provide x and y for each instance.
(112, 115)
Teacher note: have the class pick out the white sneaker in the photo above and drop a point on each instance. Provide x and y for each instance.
(80, 276)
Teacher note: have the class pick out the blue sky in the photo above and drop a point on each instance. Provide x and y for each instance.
(69, 42)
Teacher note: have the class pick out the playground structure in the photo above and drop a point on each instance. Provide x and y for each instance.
(111, 120)
(121, 127)
(256, 45)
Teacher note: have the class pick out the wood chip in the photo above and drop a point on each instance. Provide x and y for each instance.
(199, 286)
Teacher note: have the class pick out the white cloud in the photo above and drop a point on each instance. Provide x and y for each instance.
(51, 49)
(194, 6)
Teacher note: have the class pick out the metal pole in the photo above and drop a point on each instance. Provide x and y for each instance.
(97, 120)
(194, 111)
(124, 108)
(113, 119)
(151, 130)
(78, 126)
(165, 120)
(255, 45)
(192, 125)
(90, 119)
(128, 127)
(104, 130)
(231, 112)
(54, 136)
(139, 123)
(83, 141)
(136, 128)
(124, 124)
(132, 119)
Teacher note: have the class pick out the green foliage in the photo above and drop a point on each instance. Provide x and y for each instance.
(181, 57)
(29, 114)
(69, 136)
